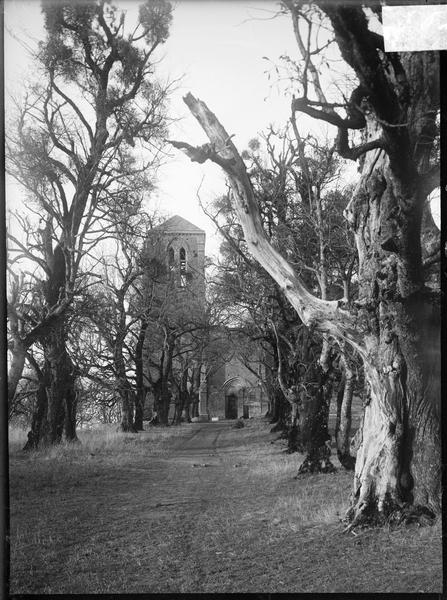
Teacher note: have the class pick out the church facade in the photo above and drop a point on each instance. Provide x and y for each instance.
(234, 391)
(228, 390)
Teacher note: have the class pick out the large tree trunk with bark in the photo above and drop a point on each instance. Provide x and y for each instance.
(314, 408)
(163, 394)
(343, 424)
(195, 405)
(182, 398)
(71, 403)
(56, 404)
(279, 408)
(179, 407)
(141, 388)
(17, 365)
(56, 408)
(162, 402)
(293, 431)
(186, 415)
(139, 409)
(124, 386)
(194, 396)
(287, 381)
(398, 461)
(61, 385)
(127, 408)
(343, 419)
(398, 466)
(39, 416)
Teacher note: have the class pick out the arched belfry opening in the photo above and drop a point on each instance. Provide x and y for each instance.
(182, 255)
(171, 259)
(183, 248)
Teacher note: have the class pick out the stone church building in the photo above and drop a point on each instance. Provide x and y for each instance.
(230, 390)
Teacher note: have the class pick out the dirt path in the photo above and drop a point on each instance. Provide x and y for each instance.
(218, 513)
(194, 474)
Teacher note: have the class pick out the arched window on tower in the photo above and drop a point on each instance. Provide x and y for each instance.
(182, 267)
(171, 260)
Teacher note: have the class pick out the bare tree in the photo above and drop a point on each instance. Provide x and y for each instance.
(72, 150)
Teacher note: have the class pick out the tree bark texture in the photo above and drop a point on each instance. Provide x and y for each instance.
(182, 399)
(141, 389)
(56, 404)
(139, 410)
(39, 415)
(279, 408)
(61, 385)
(343, 419)
(124, 386)
(71, 402)
(186, 415)
(162, 402)
(314, 407)
(17, 365)
(398, 461)
(195, 405)
(127, 409)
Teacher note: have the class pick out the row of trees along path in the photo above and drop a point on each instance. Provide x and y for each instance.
(296, 188)
(73, 148)
(394, 322)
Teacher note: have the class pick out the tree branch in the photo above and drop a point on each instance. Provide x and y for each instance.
(325, 316)
(202, 153)
(353, 153)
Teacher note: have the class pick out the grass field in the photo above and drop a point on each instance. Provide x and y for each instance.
(154, 513)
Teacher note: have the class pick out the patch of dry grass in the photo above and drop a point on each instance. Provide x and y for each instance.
(104, 438)
(120, 514)
(324, 502)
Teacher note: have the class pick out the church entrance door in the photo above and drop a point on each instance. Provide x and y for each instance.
(231, 407)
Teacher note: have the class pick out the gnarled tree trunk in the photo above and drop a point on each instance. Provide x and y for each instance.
(39, 415)
(127, 409)
(124, 386)
(182, 399)
(398, 461)
(56, 408)
(279, 408)
(71, 403)
(141, 388)
(343, 423)
(314, 409)
(290, 393)
(186, 414)
(162, 402)
(343, 420)
(139, 409)
(18, 353)
(195, 405)
(56, 405)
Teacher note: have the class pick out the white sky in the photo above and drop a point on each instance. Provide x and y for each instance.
(218, 47)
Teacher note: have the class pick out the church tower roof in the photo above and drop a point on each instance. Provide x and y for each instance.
(177, 224)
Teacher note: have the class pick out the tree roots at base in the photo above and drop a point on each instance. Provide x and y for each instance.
(317, 461)
(407, 514)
